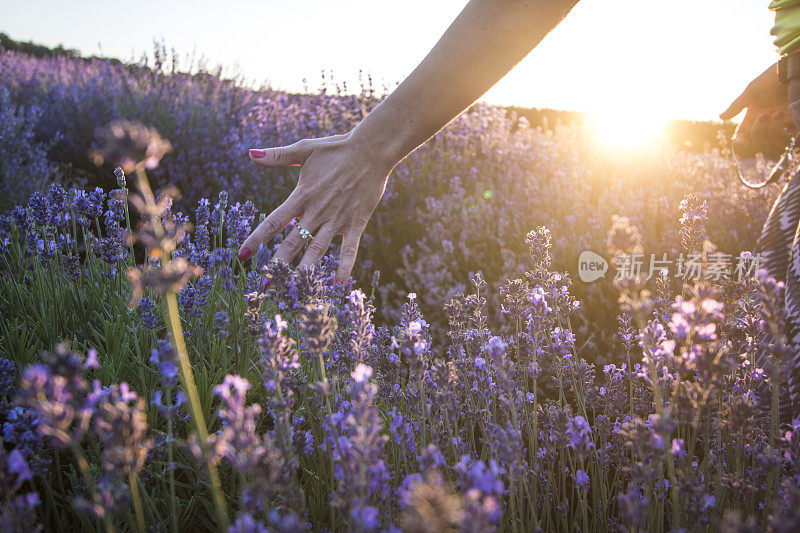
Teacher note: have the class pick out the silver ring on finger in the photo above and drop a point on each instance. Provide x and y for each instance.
(305, 234)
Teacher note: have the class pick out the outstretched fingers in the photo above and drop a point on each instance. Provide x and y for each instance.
(319, 245)
(295, 241)
(267, 230)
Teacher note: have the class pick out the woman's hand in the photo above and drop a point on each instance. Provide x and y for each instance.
(767, 118)
(343, 177)
(339, 187)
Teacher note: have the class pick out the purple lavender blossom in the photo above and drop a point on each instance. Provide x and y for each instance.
(678, 448)
(8, 372)
(202, 213)
(357, 446)
(93, 207)
(482, 487)
(119, 174)
(580, 436)
(121, 424)
(20, 218)
(39, 207)
(165, 357)
(221, 323)
(582, 480)
(238, 441)
(145, 307)
(168, 410)
(21, 430)
(57, 393)
(280, 354)
(18, 509)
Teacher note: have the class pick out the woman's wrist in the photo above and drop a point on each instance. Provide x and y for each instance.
(384, 137)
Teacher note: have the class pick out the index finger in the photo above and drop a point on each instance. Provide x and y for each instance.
(271, 226)
(735, 108)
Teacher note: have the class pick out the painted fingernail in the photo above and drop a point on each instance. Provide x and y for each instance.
(265, 283)
(339, 282)
(244, 254)
(257, 154)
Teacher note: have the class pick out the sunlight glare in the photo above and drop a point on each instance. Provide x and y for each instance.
(627, 129)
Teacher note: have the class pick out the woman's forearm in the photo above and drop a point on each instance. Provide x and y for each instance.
(342, 178)
(486, 40)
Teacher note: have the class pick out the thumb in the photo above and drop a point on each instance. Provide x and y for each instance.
(282, 156)
(735, 108)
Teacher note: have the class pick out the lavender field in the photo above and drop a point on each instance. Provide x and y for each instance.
(464, 380)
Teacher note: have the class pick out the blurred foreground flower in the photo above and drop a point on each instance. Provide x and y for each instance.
(160, 233)
(169, 278)
(127, 144)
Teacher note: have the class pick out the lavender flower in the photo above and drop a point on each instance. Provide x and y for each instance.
(428, 505)
(39, 207)
(128, 144)
(21, 430)
(146, 306)
(93, 208)
(279, 352)
(317, 327)
(8, 371)
(57, 393)
(357, 450)
(413, 343)
(165, 357)
(695, 213)
(168, 410)
(17, 511)
(120, 175)
(582, 480)
(580, 437)
(120, 423)
(221, 323)
(238, 441)
(20, 217)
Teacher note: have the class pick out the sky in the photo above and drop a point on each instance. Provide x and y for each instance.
(635, 60)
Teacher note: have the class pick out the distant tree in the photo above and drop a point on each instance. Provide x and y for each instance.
(36, 50)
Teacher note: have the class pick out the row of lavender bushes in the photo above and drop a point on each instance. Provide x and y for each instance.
(216, 399)
(210, 116)
(461, 204)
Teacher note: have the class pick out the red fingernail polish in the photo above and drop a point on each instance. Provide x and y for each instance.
(265, 283)
(244, 254)
(339, 282)
(257, 154)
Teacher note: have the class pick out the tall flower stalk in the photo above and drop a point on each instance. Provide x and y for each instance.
(134, 147)
(175, 273)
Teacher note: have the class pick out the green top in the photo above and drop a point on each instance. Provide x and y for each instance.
(787, 25)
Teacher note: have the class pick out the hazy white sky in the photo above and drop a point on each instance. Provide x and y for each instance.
(665, 59)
